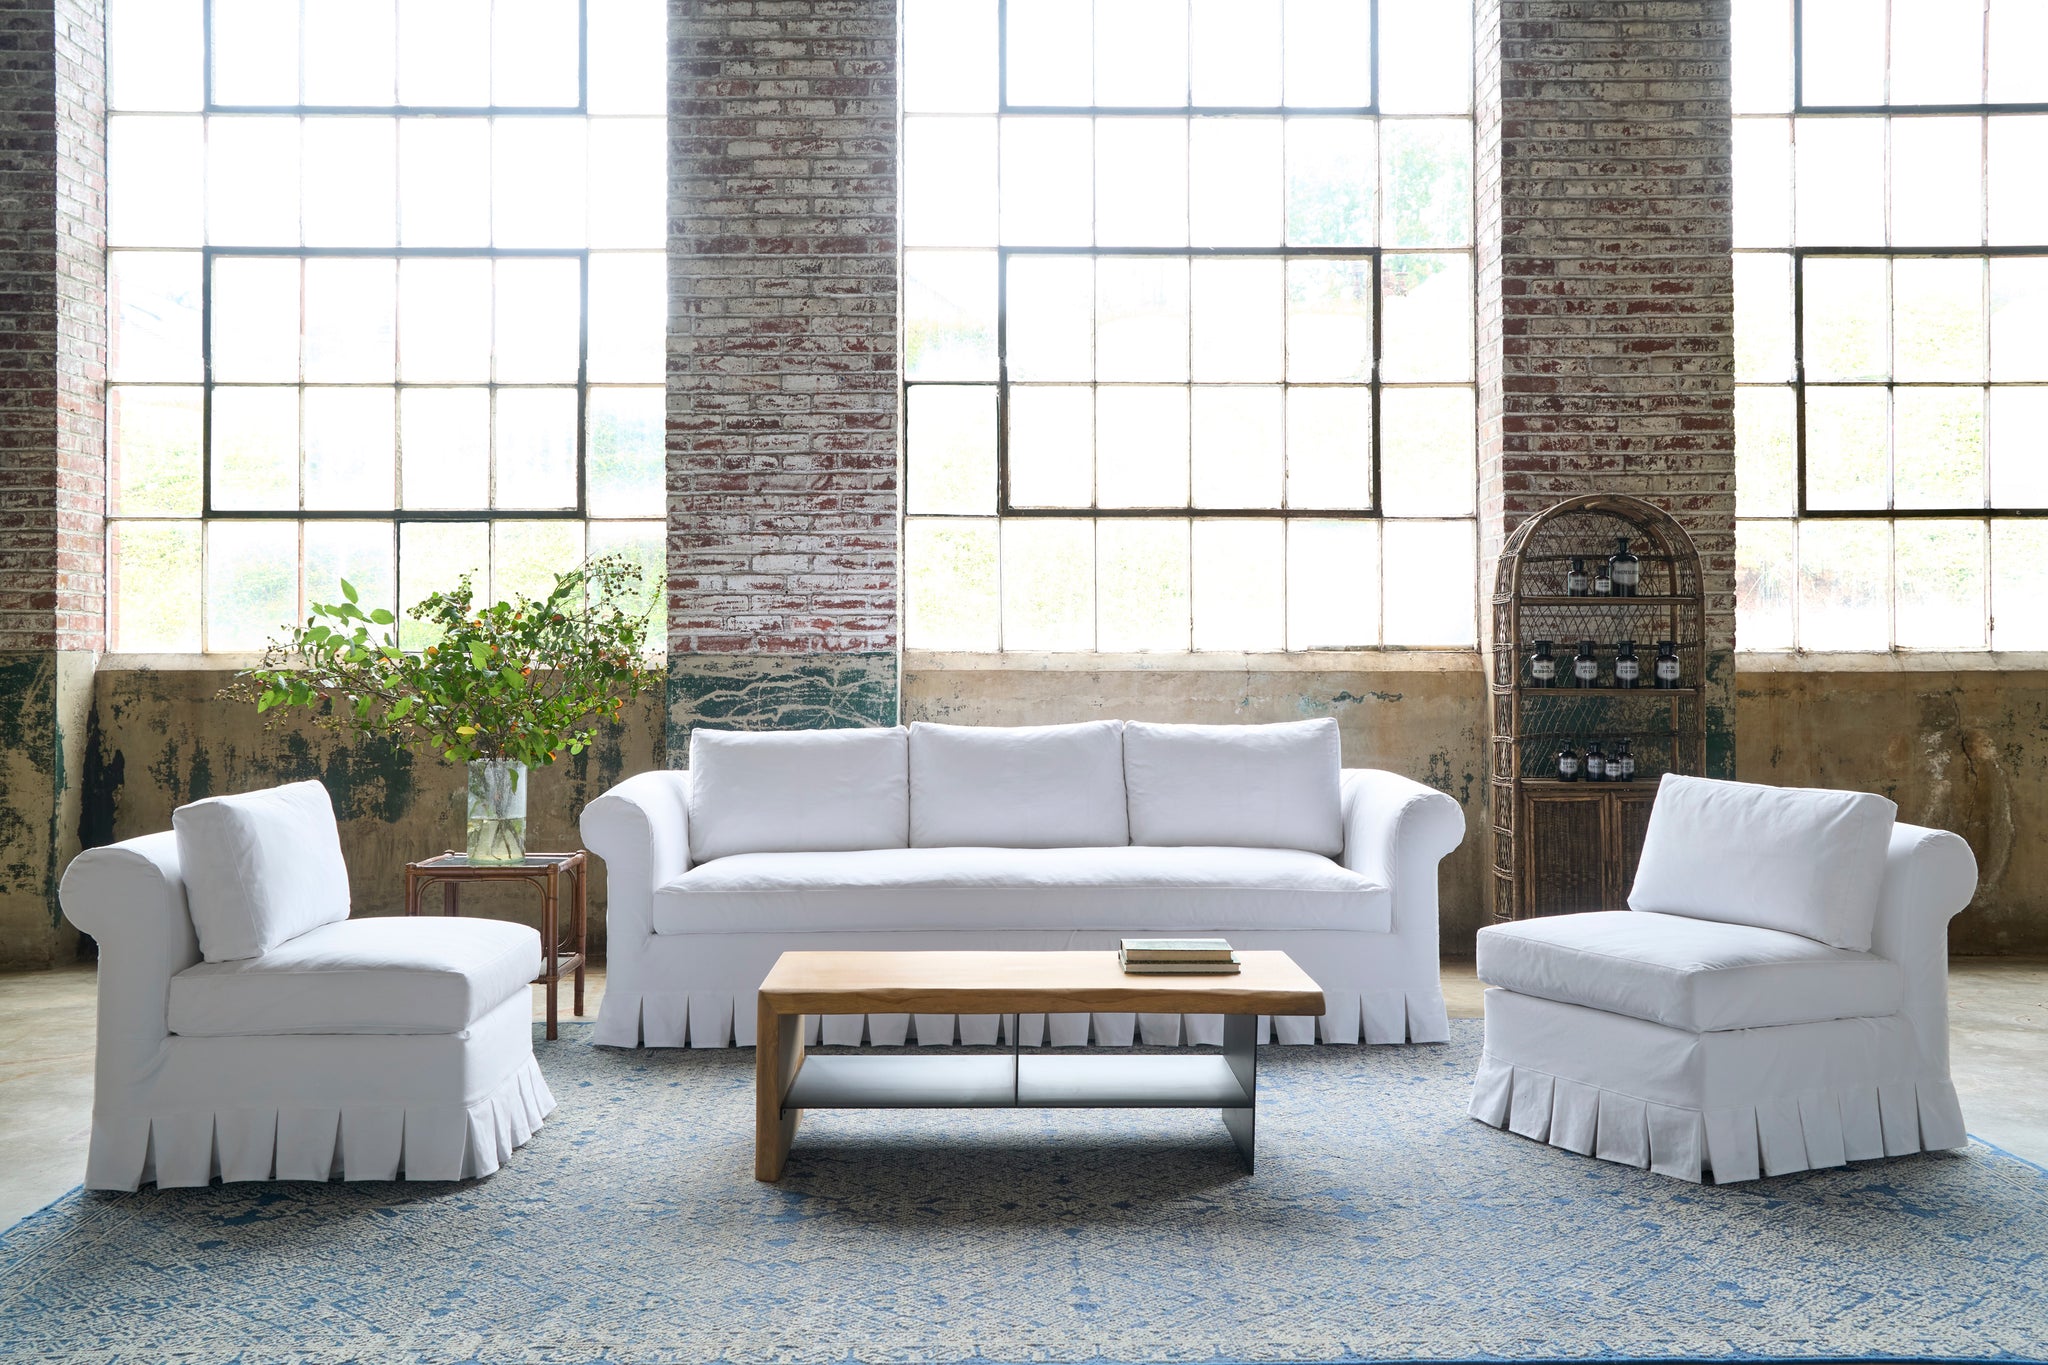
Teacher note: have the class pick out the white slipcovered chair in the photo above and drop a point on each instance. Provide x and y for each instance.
(1774, 1000)
(249, 1029)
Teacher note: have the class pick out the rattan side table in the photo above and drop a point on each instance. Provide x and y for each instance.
(542, 870)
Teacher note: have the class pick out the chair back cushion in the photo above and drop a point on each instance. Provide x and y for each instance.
(1797, 859)
(1032, 786)
(260, 868)
(790, 791)
(1244, 786)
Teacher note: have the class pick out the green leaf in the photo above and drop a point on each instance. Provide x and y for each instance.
(402, 708)
(382, 617)
(348, 590)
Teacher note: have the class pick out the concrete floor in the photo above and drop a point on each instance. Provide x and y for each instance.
(1999, 1041)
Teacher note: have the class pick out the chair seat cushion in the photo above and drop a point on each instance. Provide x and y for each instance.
(1128, 889)
(1699, 975)
(381, 975)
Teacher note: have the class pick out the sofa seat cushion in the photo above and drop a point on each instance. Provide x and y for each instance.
(382, 975)
(1703, 976)
(1129, 889)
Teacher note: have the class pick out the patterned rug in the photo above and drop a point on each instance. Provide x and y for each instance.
(1382, 1225)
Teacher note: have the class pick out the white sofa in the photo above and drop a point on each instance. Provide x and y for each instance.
(1050, 837)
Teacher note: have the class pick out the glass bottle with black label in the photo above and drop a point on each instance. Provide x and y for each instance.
(1575, 583)
(1542, 666)
(1627, 670)
(1621, 765)
(1586, 667)
(1567, 763)
(1603, 583)
(1624, 569)
(1596, 763)
(1667, 663)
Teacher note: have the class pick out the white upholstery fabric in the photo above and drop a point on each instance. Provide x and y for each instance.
(1251, 786)
(381, 975)
(260, 868)
(1691, 974)
(1033, 786)
(1136, 890)
(785, 790)
(1799, 859)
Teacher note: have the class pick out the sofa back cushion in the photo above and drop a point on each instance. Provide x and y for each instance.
(1242, 786)
(260, 868)
(797, 791)
(1797, 859)
(1032, 786)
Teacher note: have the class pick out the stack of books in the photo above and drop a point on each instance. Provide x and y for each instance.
(1177, 956)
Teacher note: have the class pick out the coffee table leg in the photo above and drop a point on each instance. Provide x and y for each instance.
(778, 1053)
(1241, 1051)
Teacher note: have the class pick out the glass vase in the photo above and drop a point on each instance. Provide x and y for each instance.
(497, 811)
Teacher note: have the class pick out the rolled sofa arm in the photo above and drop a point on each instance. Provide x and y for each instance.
(1929, 876)
(1388, 818)
(641, 828)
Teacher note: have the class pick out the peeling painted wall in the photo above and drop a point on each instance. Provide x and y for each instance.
(45, 698)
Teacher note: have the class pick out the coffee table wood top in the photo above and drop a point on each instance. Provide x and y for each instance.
(1026, 983)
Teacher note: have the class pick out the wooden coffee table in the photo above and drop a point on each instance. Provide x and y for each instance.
(787, 1081)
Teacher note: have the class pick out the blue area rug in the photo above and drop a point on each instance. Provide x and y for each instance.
(1382, 1225)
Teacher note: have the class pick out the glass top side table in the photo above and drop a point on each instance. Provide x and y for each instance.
(545, 871)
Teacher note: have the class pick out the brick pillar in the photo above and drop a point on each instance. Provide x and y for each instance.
(52, 449)
(1606, 289)
(782, 383)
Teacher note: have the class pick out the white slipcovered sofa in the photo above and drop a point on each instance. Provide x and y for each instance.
(1043, 837)
(249, 1029)
(1774, 1000)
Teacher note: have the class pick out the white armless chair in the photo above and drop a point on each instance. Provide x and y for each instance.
(1775, 999)
(249, 1029)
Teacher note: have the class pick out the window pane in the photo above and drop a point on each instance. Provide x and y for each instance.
(444, 52)
(252, 582)
(949, 585)
(1840, 180)
(350, 319)
(349, 448)
(1763, 318)
(1937, 182)
(535, 436)
(538, 318)
(1240, 589)
(1843, 52)
(537, 181)
(2019, 34)
(1234, 54)
(1049, 52)
(644, 543)
(1763, 584)
(432, 557)
(526, 556)
(1048, 584)
(624, 470)
(1435, 565)
(949, 56)
(359, 551)
(350, 51)
(255, 319)
(154, 302)
(1141, 187)
(1763, 182)
(1333, 584)
(153, 452)
(255, 52)
(255, 448)
(2019, 447)
(628, 182)
(1235, 191)
(1845, 585)
(949, 310)
(1331, 166)
(444, 320)
(1846, 315)
(155, 56)
(1329, 320)
(949, 182)
(1765, 468)
(1329, 447)
(1940, 584)
(2019, 317)
(2019, 585)
(1426, 57)
(2019, 193)
(1427, 166)
(252, 180)
(156, 179)
(1141, 318)
(1937, 52)
(950, 449)
(1052, 447)
(1239, 453)
(1141, 442)
(628, 56)
(351, 182)
(154, 582)
(1141, 588)
(445, 444)
(444, 195)
(1938, 448)
(1239, 320)
(1047, 169)
(1761, 69)
(1426, 329)
(535, 49)
(1329, 53)
(1427, 452)
(1050, 327)
(1938, 318)
(1846, 463)
(628, 317)
(1141, 52)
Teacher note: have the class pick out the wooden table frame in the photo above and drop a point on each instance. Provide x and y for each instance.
(542, 870)
(786, 1081)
